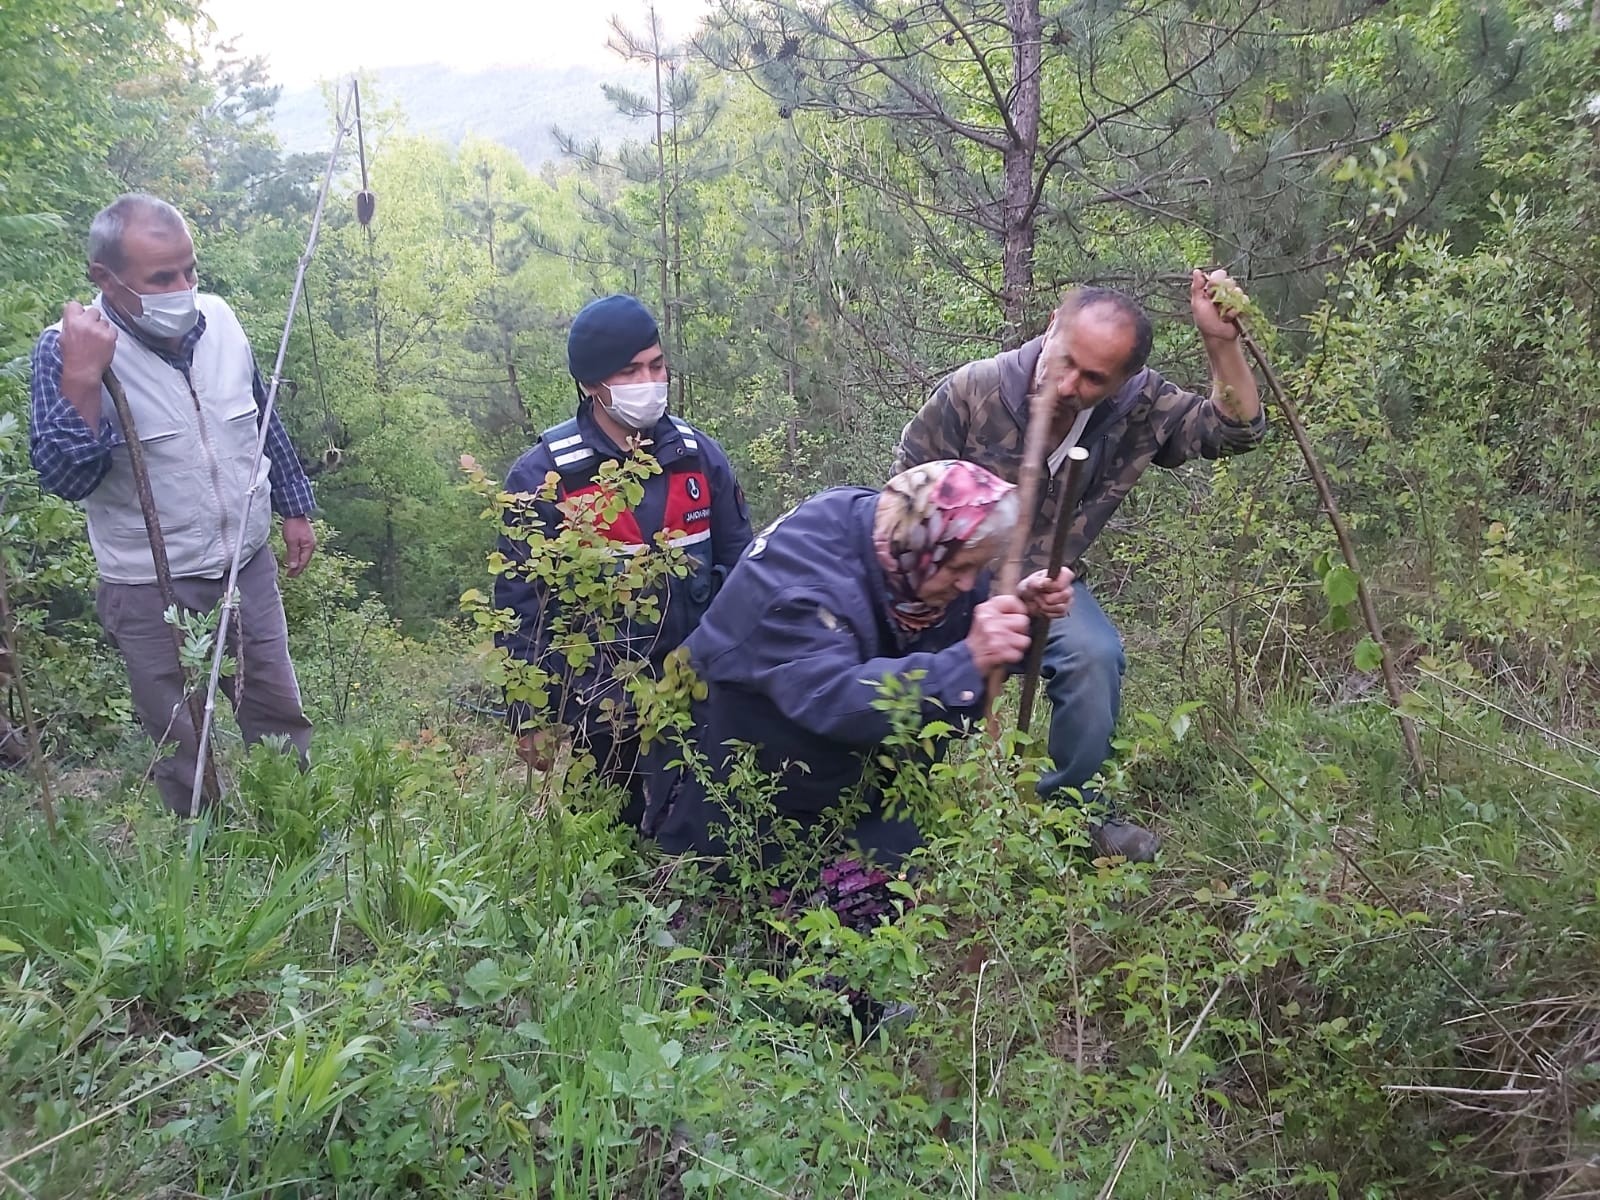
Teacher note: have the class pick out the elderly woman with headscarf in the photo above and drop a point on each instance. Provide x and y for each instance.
(845, 593)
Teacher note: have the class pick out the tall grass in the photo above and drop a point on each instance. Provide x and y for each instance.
(400, 976)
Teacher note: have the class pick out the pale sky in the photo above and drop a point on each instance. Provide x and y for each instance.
(307, 40)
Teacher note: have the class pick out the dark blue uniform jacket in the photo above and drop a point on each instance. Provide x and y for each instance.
(695, 499)
(793, 650)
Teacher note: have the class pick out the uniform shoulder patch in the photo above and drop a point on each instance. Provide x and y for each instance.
(759, 545)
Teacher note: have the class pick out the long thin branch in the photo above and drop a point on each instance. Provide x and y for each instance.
(1347, 548)
(1001, 100)
(1474, 1093)
(1546, 730)
(1506, 756)
(230, 589)
(859, 59)
(928, 108)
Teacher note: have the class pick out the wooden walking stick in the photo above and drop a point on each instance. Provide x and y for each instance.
(1040, 412)
(1076, 457)
(1347, 548)
(158, 554)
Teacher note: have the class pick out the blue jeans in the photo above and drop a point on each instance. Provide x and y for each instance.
(1082, 672)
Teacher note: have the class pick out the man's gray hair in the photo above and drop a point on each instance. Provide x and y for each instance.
(109, 224)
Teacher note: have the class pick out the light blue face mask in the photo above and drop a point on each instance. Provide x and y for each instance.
(166, 314)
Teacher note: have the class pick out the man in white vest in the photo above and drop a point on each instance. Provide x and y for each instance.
(197, 400)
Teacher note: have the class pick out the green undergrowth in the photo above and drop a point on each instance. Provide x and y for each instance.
(409, 973)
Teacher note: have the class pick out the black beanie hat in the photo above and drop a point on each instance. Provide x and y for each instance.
(606, 335)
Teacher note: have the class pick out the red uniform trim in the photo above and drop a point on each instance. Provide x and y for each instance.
(688, 503)
(687, 511)
(624, 529)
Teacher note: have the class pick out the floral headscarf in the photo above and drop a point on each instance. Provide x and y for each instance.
(926, 515)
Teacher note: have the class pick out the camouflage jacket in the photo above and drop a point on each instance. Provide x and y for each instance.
(980, 413)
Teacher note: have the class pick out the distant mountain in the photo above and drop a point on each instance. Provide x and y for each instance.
(514, 106)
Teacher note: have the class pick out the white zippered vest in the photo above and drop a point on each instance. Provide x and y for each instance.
(199, 441)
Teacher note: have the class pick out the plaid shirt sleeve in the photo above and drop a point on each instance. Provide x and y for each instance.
(70, 457)
(291, 490)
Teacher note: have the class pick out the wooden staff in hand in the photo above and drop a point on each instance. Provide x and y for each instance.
(1034, 450)
(158, 553)
(1076, 457)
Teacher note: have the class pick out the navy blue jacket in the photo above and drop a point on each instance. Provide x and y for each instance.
(695, 496)
(793, 650)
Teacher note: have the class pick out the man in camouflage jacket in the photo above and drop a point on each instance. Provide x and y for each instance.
(1089, 365)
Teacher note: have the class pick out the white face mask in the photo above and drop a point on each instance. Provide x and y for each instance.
(638, 405)
(167, 314)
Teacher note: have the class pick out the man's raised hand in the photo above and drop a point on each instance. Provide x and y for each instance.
(88, 341)
(1215, 321)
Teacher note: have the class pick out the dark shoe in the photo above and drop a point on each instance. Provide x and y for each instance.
(886, 1016)
(895, 1014)
(1118, 837)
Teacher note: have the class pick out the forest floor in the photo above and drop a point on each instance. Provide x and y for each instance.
(416, 971)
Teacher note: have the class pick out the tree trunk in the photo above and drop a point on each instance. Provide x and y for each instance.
(680, 349)
(1016, 261)
(488, 217)
(516, 388)
(661, 180)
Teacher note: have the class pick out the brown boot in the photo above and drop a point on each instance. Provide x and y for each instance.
(1118, 837)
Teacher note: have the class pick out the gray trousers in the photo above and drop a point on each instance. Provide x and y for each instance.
(263, 690)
